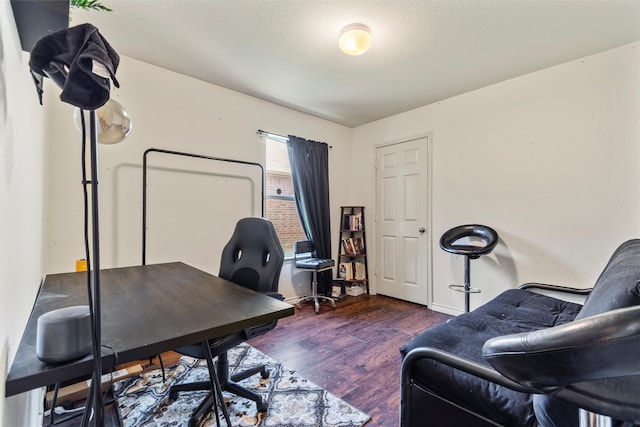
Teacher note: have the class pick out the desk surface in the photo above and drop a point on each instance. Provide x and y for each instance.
(145, 310)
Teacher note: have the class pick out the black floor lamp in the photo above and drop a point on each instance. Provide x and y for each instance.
(95, 394)
(82, 63)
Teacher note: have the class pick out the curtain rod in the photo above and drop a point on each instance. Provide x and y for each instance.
(280, 138)
(272, 135)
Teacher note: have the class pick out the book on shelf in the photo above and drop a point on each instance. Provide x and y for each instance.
(358, 246)
(346, 269)
(358, 222)
(347, 245)
(346, 222)
(342, 272)
(359, 272)
(353, 246)
(353, 222)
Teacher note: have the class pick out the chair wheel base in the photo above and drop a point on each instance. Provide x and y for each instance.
(316, 302)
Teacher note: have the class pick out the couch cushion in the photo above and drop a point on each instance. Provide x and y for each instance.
(512, 311)
(619, 283)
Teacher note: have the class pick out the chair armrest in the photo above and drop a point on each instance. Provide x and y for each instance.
(276, 295)
(258, 330)
(593, 348)
(555, 288)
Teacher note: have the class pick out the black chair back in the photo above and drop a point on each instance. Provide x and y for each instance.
(253, 257)
(306, 248)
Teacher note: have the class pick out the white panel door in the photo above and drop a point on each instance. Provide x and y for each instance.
(402, 233)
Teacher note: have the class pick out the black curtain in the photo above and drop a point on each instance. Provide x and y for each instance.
(310, 174)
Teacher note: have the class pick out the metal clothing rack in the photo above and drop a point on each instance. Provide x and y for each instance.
(198, 156)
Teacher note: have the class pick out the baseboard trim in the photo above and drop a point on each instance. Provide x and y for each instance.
(445, 309)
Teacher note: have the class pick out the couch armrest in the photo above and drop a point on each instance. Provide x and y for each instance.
(555, 288)
(421, 353)
(565, 293)
(473, 368)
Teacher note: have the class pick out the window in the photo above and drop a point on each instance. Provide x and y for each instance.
(280, 203)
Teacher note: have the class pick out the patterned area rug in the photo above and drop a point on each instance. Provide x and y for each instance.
(293, 401)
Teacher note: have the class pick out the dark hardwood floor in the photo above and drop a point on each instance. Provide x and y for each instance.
(352, 351)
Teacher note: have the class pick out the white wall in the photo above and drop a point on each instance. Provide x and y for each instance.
(21, 173)
(190, 216)
(550, 160)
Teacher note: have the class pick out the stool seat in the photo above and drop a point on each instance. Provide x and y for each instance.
(316, 264)
(475, 233)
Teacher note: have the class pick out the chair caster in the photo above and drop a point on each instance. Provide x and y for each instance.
(262, 406)
(264, 374)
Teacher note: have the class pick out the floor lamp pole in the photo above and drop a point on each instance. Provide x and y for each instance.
(98, 404)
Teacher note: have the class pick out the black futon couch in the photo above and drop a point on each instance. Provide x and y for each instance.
(446, 381)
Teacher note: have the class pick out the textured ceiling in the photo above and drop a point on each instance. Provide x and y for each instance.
(285, 51)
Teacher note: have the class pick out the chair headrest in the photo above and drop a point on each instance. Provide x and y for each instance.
(253, 257)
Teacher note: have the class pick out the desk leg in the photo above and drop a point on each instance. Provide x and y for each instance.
(216, 390)
(53, 404)
(69, 415)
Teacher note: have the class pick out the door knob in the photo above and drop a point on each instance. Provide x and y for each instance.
(421, 230)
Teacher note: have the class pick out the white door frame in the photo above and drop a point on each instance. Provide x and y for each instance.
(429, 210)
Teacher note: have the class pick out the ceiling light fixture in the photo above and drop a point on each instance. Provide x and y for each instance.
(355, 39)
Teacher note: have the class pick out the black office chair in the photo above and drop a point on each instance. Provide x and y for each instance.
(590, 363)
(472, 241)
(305, 259)
(253, 258)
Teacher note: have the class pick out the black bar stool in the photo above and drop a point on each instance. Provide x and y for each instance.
(472, 241)
(305, 259)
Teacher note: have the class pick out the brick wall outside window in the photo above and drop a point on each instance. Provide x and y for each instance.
(280, 206)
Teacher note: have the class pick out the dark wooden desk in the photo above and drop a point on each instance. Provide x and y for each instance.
(146, 310)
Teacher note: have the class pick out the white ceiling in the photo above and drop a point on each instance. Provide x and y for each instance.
(286, 52)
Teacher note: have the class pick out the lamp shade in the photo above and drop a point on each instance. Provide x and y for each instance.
(114, 124)
(355, 39)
